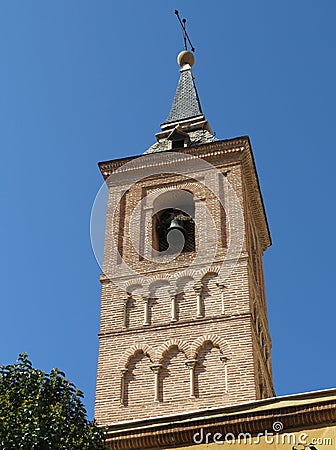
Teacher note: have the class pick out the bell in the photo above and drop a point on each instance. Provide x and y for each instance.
(177, 224)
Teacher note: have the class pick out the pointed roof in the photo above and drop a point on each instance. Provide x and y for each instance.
(186, 116)
(186, 103)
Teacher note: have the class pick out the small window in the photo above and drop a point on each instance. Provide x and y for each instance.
(178, 144)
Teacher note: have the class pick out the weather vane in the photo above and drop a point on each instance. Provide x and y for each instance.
(184, 30)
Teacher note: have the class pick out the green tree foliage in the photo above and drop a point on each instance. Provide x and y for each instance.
(43, 411)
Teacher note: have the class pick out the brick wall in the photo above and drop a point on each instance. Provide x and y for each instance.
(209, 371)
(145, 370)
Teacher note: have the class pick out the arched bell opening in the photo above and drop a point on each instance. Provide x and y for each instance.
(173, 223)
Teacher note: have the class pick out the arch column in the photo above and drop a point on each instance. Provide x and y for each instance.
(198, 288)
(222, 287)
(126, 301)
(224, 360)
(122, 387)
(191, 363)
(156, 370)
(146, 311)
(173, 307)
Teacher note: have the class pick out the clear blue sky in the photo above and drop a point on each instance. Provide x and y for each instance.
(86, 81)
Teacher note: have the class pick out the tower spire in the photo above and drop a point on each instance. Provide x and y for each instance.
(186, 102)
(186, 124)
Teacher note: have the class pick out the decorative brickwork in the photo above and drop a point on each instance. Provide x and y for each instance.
(164, 349)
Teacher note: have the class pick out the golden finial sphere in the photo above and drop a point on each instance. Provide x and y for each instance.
(185, 57)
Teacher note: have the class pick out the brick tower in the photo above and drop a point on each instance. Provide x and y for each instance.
(183, 311)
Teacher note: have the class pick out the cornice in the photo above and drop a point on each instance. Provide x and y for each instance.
(295, 412)
(179, 324)
(204, 151)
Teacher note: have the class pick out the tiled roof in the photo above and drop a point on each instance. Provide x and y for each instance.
(196, 138)
(186, 121)
(186, 103)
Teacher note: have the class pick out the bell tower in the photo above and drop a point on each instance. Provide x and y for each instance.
(183, 310)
